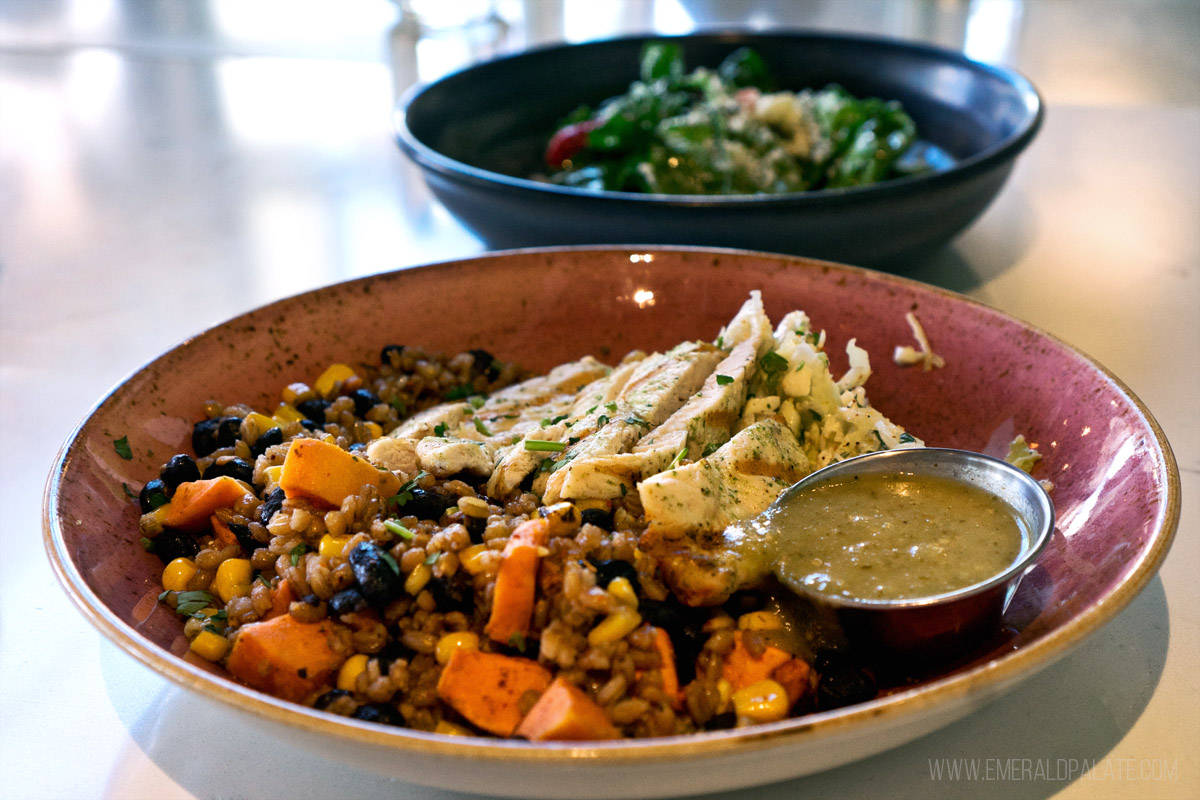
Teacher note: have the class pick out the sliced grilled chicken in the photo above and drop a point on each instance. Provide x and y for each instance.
(507, 408)
(689, 509)
(650, 397)
(581, 418)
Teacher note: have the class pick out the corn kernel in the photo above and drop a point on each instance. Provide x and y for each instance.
(209, 645)
(332, 546)
(296, 393)
(285, 413)
(614, 627)
(447, 728)
(233, 578)
(351, 668)
(417, 579)
(763, 701)
(255, 425)
(273, 473)
(375, 429)
(622, 590)
(450, 642)
(471, 558)
(176, 575)
(759, 621)
(333, 375)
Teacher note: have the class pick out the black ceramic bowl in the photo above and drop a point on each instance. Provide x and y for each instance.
(479, 133)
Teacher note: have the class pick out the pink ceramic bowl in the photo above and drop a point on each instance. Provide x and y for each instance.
(1116, 484)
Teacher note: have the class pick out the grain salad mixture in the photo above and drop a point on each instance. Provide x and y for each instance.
(449, 544)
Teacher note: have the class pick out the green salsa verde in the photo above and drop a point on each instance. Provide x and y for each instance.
(891, 537)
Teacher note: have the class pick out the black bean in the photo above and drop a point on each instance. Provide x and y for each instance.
(378, 577)
(273, 503)
(427, 503)
(212, 434)
(379, 713)
(609, 569)
(485, 364)
(326, 700)
(357, 447)
(475, 528)
(840, 682)
(683, 625)
(598, 517)
(268, 438)
(720, 722)
(309, 425)
(245, 538)
(314, 409)
(390, 355)
(173, 544)
(153, 495)
(231, 466)
(392, 651)
(364, 401)
(347, 601)
(180, 469)
(311, 599)
(452, 595)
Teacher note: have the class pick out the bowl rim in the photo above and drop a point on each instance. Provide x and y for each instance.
(981, 681)
(1026, 558)
(983, 161)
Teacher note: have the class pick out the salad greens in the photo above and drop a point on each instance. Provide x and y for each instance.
(728, 131)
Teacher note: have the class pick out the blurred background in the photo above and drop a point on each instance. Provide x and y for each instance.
(123, 118)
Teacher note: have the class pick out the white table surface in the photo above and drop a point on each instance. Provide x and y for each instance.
(167, 165)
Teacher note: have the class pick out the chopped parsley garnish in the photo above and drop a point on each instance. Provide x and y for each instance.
(460, 392)
(400, 406)
(296, 553)
(122, 447)
(147, 544)
(391, 562)
(479, 426)
(611, 406)
(907, 438)
(517, 640)
(602, 420)
(720, 342)
(882, 444)
(405, 493)
(634, 420)
(188, 603)
(128, 492)
(548, 421)
(724, 380)
(476, 400)
(543, 446)
(397, 529)
(680, 456)
(709, 449)
(157, 500)
(439, 429)
(773, 365)
(432, 558)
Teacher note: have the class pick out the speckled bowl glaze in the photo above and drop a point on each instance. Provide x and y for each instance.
(1116, 484)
